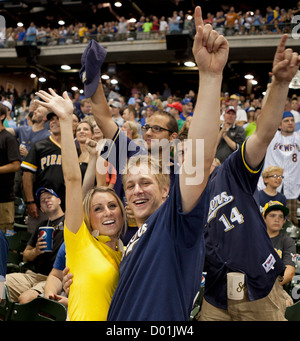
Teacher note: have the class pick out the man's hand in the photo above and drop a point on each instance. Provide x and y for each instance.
(40, 245)
(33, 210)
(61, 106)
(210, 49)
(286, 62)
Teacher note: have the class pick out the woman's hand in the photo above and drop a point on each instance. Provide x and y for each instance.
(61, 106)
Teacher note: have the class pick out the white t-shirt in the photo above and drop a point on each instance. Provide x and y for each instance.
(284, 151)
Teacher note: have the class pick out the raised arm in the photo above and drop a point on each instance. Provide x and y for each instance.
(211, 53)
(285, 65)
(63, 108)
(102, 114)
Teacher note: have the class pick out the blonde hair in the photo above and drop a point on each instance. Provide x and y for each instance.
(270, 170)
(134, 129)
(87, 206)
(162, 176)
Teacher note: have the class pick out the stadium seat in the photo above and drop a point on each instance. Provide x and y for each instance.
(40, 309)
(5, 306)
(292, 312)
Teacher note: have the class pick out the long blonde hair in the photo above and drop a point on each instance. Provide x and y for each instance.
(87, 206)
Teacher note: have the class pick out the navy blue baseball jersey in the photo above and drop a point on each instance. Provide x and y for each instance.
(44, 160)
(236, 235)
(161, 270)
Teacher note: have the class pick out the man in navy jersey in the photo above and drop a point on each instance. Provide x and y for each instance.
(236, 235)
(161, 269)
(162, 264)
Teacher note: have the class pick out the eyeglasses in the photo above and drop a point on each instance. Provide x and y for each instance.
(276, 176)
(155, 128)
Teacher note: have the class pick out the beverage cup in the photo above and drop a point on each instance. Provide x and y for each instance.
(47, 233)
(235, 285)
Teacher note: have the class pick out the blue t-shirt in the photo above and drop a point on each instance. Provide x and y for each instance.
(265, 198)
(60, 260)
(3, 254)
(28, 137)
(236, 236)
(161, 270)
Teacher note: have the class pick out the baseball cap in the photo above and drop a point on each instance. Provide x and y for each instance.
(186, 101)
(230, 108)
(234, 97)
(152, 107)
(287, 114)
(275, 205)
(91, 62)
(50, 114)
(115, 104)
(176, 105)
(7, 104)
(42, 190)
(250, 109)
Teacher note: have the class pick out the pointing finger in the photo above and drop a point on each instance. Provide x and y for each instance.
(198, 17)
(281, 45)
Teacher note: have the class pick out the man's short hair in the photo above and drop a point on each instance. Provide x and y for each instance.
(172, 124)
(162, 176)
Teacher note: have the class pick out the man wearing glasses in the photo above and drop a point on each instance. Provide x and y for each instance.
(158, 133)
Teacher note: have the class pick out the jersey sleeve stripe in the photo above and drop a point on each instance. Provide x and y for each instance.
(254, 171)
(28, 166)
(57, 144)
(116, 136)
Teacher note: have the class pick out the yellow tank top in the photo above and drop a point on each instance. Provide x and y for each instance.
(95, 267)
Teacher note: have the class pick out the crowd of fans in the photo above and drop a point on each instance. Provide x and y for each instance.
(139, 115)
(272, 20)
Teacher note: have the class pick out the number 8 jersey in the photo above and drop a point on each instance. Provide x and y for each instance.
(284, 151)
(235, 234)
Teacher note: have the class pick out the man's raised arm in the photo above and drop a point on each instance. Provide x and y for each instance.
(211, 53)
(285, 65)
(102, 114)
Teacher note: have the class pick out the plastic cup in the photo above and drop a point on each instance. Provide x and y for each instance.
(235, 285)
(47, 233)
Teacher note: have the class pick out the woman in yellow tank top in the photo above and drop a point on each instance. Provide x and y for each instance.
(92, 227)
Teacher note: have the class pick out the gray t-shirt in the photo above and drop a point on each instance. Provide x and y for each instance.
(285, 247)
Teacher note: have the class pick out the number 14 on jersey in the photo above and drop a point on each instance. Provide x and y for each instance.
(235, 216)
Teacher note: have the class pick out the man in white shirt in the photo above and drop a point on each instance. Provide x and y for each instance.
(295, 112)
(284, 151)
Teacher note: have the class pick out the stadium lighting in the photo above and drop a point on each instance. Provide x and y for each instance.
(118, 4)
(65, 67)
(189, 64)
(249, 76)
(42, 79)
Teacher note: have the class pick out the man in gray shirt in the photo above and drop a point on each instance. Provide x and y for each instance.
(274, 215)
(231, 136)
